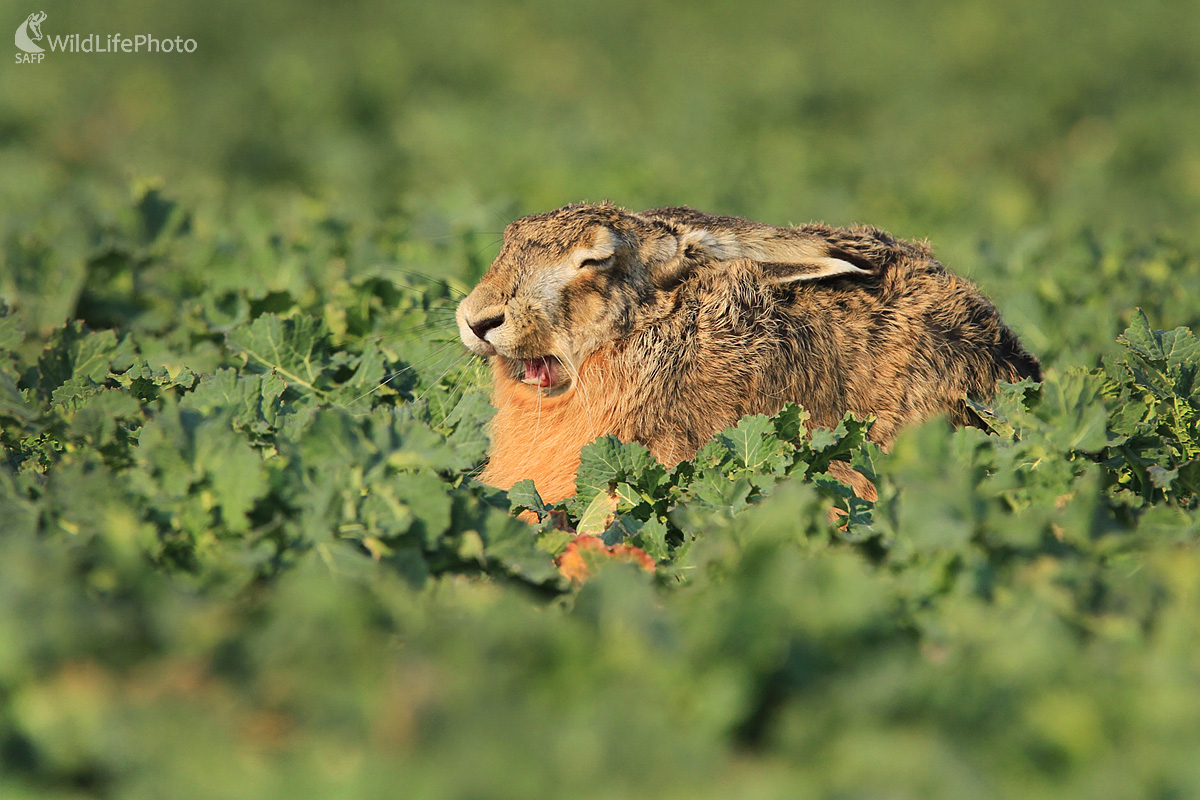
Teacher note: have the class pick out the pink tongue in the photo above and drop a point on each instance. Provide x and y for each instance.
(542, 370)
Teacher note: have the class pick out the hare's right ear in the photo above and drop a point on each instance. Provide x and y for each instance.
(664, 253)
(672, 255)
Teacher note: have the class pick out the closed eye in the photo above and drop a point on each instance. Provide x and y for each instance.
(595, 263)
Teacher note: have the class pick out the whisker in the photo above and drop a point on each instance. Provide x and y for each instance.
(443, 323)
(477, 471)
(429, 279)
(489, 245)
(448, 310)
(537, 427)
(392, 376)
(433, 327)
(512, 390)
(445, 372)
(444, 408)
(440, 320)
(441, 351)
(578, 379)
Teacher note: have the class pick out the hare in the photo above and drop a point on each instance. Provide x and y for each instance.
(666, 326)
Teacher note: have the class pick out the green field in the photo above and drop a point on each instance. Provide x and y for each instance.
(241, 551)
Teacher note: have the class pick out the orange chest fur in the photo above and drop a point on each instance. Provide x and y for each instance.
(540, 437)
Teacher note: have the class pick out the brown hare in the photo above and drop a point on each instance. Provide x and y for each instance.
(667, 326)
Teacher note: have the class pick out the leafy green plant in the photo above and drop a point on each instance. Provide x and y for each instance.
(242, 550)
(1155, 447)
(254, 524)
(624, 495)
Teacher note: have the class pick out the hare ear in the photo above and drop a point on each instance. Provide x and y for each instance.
(784, 255)
(809, 269)
(674, 256)
(790, 258)
(704, 244)
(782, 258)
(666, 256)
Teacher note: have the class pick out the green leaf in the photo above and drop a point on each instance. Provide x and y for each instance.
(826, 438)
(233, 467)
(1163, 478)
(1141, 339)
(722, 492)
(754, 444)
(369, 372)
(523, 496)
(509, 543)
(77, 358)
(622, 528)
(606, 462)
(252, 400)
(712, 453)
(95, 418)
(1130, 417)
(381, 514)
(596, 517)
(790, 423)
(13, 403)
(335, 440)
(468, 421)
(994, 422)
(652, 537)
(12, 335)
(291, 347)
(628, 496)
(426, 499)
(1075, 410)
(1180, 347)
(20, 514)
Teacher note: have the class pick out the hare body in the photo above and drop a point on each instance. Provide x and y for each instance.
(666, 327)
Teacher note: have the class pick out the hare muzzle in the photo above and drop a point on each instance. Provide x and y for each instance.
(474, 327)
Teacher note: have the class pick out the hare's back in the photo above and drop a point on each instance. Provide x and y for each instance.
(912, 341)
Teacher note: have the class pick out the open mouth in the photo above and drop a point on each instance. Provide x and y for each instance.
(544, 372)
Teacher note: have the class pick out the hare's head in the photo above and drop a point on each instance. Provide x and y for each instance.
(570, 280)
(564, 283)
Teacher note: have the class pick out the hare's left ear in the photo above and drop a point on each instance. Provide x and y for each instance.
(788, 256)
(810, 269)
(783, 256)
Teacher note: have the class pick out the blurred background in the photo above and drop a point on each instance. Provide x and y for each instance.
(950, 121)
(308, 155)
(1032, 143)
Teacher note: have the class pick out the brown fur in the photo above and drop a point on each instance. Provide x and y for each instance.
(683, 322)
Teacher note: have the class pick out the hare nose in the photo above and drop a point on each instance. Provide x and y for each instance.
(481, 327)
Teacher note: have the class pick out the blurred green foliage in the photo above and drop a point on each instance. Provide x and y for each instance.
(241, 551)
